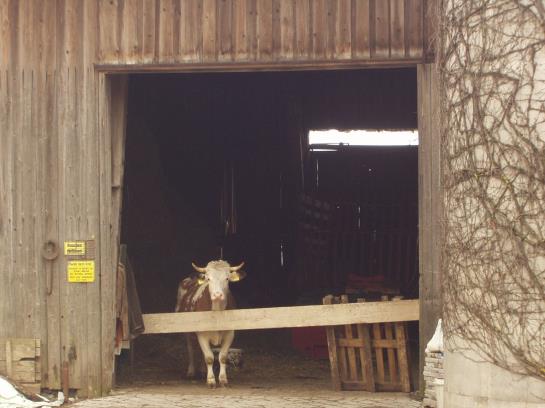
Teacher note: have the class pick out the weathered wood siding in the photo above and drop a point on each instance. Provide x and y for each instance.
(79, 33)
(59, 141)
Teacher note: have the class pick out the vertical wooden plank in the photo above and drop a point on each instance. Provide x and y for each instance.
(25, 267)
(149, 30)
(13, 31)
(331, 28)
(107, 292)
(89, 31)
(225, 30)
(5, 34)
(49, 108)
(379, 354)
(25, 46)
(252, 29)
(8, 138)
(402, 353)
(48, 37)
(350, 351)
(191, 30)
(302, 29)
(5, 239)
(9, 359)
(24, 264)
(287, 29)
(382, 29)
(46, 112)
(209, 46)
(332, 348)
(108, 41)
(403, 361)
(343, 29)
(240, 30)
(88, 128)
(276, 30)
(91, 230)
(73, 332)
(397, 28)
(392, 366)
(131, 46)
(117, 124)
(366, 357)
(342, 359)
(264, 29)
(176, 26)
(166, 31)
(413, 28)
(319, 29)
(430, 23)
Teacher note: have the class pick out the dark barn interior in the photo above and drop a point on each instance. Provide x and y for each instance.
(218, 165)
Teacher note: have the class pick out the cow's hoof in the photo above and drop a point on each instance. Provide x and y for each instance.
(223, 380)
(211, 383)
(190, 375)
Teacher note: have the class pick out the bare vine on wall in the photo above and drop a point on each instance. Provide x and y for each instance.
(492, 64)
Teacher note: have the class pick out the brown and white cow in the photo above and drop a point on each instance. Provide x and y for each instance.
(206, 292)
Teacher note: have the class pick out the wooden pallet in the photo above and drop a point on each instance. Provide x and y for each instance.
(20, 362)
(370, 357)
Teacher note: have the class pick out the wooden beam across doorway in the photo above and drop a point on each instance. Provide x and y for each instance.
(280, 317)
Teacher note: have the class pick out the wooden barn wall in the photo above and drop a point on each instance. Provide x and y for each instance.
(80, 33)
(56, 131)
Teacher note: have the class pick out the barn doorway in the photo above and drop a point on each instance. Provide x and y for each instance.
(220, 165)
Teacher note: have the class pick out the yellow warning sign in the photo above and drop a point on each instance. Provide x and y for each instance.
(81, 271)
(74, 247)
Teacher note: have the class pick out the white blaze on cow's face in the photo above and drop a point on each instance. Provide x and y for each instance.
(217, 275)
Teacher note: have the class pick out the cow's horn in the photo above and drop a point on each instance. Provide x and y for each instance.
(236, 268)
(198, 269)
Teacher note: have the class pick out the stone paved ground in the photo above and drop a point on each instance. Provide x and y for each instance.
(273, 375)
(228, 399)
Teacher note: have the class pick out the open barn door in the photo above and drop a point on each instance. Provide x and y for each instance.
(112, 118)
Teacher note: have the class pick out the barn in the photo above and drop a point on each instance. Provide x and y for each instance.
(180, 129)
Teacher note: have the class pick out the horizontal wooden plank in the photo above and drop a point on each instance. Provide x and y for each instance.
(378, 343)
(278, 317)
(258, 66)
(23, 371)
(20, 348)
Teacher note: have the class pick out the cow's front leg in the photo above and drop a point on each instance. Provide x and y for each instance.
(190, 355)
(225, 345)
(208, 358)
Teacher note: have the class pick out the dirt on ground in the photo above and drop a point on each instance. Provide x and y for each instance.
(270, 364)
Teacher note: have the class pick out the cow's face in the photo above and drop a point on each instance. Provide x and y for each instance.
(218, 274)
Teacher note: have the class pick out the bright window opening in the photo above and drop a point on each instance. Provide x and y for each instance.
(335, 138)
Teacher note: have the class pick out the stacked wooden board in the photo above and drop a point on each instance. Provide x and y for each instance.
(20, 362)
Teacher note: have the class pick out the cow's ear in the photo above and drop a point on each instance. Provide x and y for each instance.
(236, 276)
(200, 280)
